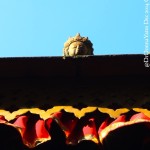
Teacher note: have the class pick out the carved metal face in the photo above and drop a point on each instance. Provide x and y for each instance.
(77, 45)
(77, 48)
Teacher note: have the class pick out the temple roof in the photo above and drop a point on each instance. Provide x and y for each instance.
(87, 102)
(69, 67)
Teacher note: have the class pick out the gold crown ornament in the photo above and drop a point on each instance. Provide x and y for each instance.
(77, 45)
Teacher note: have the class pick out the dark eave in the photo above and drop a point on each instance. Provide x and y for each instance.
(86, 66)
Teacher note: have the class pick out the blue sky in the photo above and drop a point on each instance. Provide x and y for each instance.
(40, 27)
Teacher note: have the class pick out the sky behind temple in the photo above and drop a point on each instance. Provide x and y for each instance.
(40, 27)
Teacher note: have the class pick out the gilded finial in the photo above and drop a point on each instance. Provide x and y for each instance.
(77, 45)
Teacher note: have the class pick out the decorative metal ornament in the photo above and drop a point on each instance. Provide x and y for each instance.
(77, 45)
